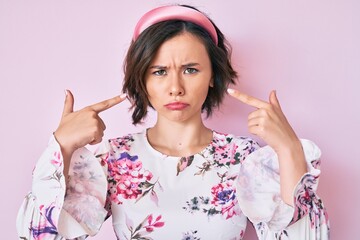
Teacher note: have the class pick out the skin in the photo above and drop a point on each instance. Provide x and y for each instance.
(269, 123)
(181, 72)
(82, 127)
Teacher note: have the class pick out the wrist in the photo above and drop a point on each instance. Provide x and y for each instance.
(293, 147)
(292, 157)
(66, 149)
(66, 153)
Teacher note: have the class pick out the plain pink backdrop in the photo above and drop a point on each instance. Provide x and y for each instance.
(307, 50)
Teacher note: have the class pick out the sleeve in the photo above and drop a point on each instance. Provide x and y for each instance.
(54, 210)
(258, 192)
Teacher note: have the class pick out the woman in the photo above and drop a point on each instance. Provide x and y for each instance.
(178, 179)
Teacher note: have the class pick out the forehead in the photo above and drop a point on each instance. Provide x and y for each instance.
(182, 47)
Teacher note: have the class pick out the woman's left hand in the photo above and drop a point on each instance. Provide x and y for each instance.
(268, 121)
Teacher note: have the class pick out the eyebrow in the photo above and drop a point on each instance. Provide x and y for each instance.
(190, 65)
(158, 67)
(183, 66)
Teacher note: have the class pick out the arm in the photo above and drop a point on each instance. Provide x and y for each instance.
(269, 123)
(82, 127)
(46, 211)
(258, 193)
(292, 166)
(281, 177)
(39, 213)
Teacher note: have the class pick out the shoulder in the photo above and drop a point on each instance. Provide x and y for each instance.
(120, 144)
(126, 142)
(244, 142)
(231, 148)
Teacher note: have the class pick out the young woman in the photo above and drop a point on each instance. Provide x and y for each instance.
(177, 179)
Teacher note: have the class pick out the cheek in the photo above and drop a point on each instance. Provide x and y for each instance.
(154, 93)
(202, 92)
(201, 89)
(153, 84)
(151, 88)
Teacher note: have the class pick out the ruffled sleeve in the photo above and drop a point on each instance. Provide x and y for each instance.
(258, 192)
(54, 210)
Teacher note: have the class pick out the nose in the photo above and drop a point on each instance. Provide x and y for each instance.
(176, 86)
(176, 92)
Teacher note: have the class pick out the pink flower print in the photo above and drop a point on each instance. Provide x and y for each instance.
(123, 143)
(154, 197)
(141, 174)
(223, 193)
(183, 163)
(47, 226)
(129, 180)
(151, 225)
(112, 193)
(307, 202)
(316, 163)
(226, 155)
(228, 152)
(131, 176)
(123, 165)
(104, 158)
(56, 161)
(129, 187)
(230, 209)
(146, 227)
(224, 197)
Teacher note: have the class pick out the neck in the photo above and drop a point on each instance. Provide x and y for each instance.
(179, 138)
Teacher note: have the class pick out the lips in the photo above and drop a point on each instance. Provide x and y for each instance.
(176, 106)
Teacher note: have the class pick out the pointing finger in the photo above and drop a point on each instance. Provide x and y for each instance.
(69, 103)
(103, 126)
(102, 106)
(247, 99)
(273, 99)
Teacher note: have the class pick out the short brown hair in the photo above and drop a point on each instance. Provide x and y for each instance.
(142, 51)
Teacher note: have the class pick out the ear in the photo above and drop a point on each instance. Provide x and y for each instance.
(211, 84)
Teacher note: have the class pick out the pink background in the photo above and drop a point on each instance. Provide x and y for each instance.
(308, 51)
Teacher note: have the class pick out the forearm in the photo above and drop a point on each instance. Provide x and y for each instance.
(292, 166)
(66, 153)
(66, 161)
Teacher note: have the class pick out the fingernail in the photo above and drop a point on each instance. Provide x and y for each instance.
(123, 96)
(230, 90)
(66, 92)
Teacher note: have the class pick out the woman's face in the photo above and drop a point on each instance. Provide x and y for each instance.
(179, 77)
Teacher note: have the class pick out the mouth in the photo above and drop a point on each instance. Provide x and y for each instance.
(176, 106)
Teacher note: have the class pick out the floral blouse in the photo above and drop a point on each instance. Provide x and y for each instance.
(208, 196)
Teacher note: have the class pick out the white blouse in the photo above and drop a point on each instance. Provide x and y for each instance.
(209, 195)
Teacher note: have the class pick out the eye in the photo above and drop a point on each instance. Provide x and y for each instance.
(191, 70)
(160, 72)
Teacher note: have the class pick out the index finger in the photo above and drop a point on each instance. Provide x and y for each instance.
(247, 99)
(106, 104)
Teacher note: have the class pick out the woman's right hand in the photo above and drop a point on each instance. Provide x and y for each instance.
(82, 127)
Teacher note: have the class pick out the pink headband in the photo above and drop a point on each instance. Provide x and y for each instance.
(175, 12)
